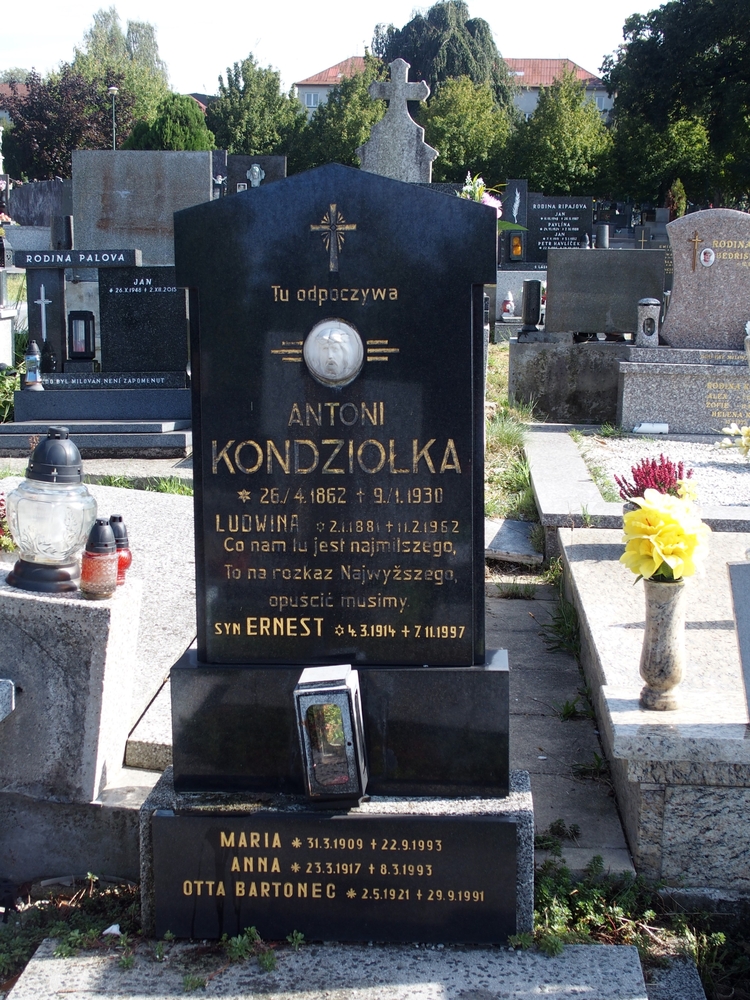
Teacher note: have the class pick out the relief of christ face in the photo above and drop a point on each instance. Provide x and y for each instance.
(333, 352)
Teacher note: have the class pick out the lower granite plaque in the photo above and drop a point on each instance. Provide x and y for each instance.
(335, 877)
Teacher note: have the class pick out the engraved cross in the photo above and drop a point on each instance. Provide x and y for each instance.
(332, 227)
(43, 303)
(695, 241)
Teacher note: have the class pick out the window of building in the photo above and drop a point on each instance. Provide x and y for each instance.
(311, 100)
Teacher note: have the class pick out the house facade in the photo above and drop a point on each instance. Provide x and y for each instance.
(530, 75)
(315, 90)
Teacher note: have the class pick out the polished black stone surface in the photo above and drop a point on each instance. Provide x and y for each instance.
(338, 523)
(561, 221)
(436, 731)
(143, 320)
(45, 297)
(335, 877)
(77, 258)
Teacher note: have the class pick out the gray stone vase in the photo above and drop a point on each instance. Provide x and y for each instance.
(663, 653)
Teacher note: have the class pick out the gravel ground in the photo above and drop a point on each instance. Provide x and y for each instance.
(721, 475)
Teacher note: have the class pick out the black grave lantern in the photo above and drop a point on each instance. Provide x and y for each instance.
(516, 245)
(81, 335)
(329, 721)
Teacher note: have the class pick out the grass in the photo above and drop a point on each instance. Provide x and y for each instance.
(508, 490)
(603, 480)
(161, 484)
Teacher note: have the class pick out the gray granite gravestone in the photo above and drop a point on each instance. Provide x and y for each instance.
(599, 292)
(711, 297)
(396, 147)
(126, 198)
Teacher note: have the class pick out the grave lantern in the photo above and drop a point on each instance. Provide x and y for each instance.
(81, 335)
(647, 332)
(516, 245)
(329, 720)
(50, 515)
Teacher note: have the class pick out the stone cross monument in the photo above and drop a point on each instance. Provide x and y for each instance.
(396, 147)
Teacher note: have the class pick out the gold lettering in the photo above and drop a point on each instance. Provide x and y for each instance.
(226, 840)
(450, 452)
(258, 451)
(392, 458)
(283, 462)
(423, 453)
(235, 864)
(295, 417)
(339, 444)
(216, 458)
(360, 451)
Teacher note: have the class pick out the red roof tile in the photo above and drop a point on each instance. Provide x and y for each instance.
(335, 74)
(5, 90)
(544, 72)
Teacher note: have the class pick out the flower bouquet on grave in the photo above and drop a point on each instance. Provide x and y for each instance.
(665, 540)
(663, 475)
(475, 189)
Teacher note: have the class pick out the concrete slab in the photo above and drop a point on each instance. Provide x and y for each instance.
(510, 541)
(40, 838)
(150, 743)
(682, 777)
(548, 746)
(344, 972)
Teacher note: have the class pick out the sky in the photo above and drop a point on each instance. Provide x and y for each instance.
(300, 39)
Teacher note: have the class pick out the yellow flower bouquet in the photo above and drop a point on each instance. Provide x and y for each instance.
(664, 538)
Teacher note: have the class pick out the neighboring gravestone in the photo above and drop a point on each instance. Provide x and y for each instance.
(396, 147)
(711, 295)
(516, 202)
(339, 520)
(598, 292)
(238, 167)
(143, 317)
(557, 222)
(126, 198)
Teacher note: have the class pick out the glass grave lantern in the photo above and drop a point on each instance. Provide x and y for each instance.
(329, 721)
(81, 335)
(50, 515)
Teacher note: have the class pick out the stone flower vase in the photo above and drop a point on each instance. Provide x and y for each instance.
(663, 653)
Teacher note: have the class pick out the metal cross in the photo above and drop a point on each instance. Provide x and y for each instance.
(643, 237)
(43, 303)
(332, 227)
(695, 241)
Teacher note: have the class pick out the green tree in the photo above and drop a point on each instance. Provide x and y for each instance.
(690, 60)
(57, 116)
(344, 122)
(132, 54)
(180, 124)
(446, 43)
(644, 162)
(13, 74)
(466, 126)
(251, 115)
(563, 147)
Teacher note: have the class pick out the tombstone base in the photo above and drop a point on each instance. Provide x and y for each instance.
(428, 731)
(692, 391)
(567, 383)
(388, 870)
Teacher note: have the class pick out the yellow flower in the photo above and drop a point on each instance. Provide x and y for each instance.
(664, 538)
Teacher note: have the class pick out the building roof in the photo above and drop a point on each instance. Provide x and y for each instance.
(335, 74)
(5, 90)
(544, 72)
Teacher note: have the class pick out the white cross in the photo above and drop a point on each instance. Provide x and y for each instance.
(43, 303)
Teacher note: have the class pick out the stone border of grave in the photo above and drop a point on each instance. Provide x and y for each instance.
(567, 497)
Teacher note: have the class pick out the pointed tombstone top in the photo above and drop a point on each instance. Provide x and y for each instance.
(396, 147)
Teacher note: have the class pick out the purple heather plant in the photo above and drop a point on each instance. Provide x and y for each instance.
(649, 474)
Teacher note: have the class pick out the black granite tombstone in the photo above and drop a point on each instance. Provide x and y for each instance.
(338, 470)
(559, 222)
(143, 320)
(48, 323)
(338, 464)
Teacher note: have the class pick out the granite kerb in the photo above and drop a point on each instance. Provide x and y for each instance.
(567, 497)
